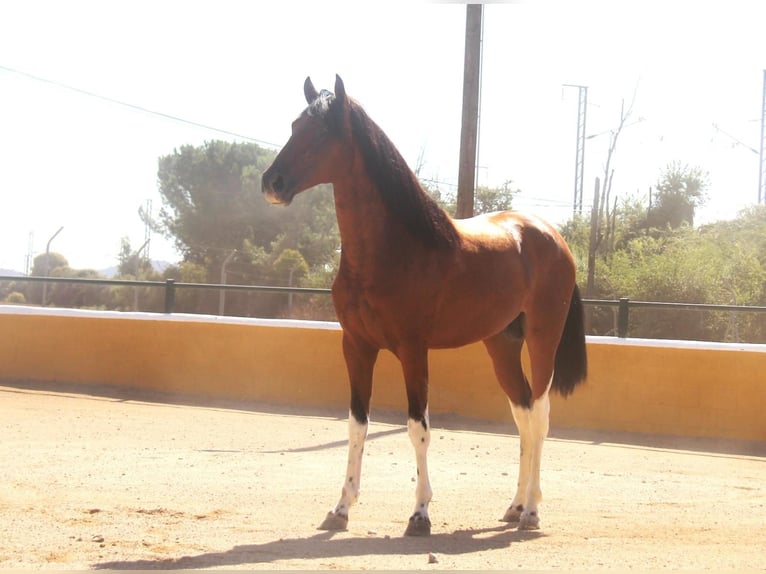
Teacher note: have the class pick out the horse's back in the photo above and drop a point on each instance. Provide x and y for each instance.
(499, 228)
(514, 233)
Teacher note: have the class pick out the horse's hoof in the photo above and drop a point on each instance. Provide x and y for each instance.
(334, 521)
(513, 514)
(419, 525)
(529, 522)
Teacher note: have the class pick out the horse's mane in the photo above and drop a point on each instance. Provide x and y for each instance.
(398, 186)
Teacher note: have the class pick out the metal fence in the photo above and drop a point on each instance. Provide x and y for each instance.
(623, 305)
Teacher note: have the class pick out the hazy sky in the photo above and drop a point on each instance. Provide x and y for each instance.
(72, 160)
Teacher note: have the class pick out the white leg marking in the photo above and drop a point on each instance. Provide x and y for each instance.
(538, 422)
(521, 417)
(420, 437)
(357, 433)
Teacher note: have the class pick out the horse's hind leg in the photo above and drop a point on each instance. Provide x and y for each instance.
(544, 326)
(505, 350)
(360, 360)
(533, 428)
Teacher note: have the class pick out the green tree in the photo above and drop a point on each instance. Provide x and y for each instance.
(680, 190)
(43, 265)
(489, 199)
(211, 199)
(447, 200)
(15, 298)
(76, 295)
(486, 199)
(131, 264)
(719, 263)
(213, 205)
(576, 232)
(292, 267)
(192, 300)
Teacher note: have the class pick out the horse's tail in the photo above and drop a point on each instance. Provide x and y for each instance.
(571, 363)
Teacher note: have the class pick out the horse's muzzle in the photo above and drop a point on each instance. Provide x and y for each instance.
(273, 187)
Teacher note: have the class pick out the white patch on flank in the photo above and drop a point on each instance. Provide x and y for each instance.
(516, 234)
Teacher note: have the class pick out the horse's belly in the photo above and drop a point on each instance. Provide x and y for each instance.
(459, 311)
(463, 327)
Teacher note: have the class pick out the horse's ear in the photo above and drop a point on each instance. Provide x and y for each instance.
(340, 89)
(310, 91)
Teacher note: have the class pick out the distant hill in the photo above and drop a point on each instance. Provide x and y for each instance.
(108, 271)
(11, 273)
(160, 266)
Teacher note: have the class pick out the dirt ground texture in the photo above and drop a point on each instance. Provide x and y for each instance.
(104, 479)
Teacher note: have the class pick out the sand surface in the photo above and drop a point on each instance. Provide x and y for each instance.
(92, 477)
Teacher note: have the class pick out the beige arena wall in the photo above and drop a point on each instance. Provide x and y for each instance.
(650, 386)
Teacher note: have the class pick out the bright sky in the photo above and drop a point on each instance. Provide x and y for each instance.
(87, 164)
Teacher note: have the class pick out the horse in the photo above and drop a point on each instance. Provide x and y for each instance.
(411, 278)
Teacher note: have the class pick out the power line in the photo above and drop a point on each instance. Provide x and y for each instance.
(182, 120)
(138, 108)
(438, 182)
(737, 141)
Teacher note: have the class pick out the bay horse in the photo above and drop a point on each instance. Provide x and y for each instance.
(411, 279)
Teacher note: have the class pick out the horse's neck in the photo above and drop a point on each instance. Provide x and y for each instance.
(360, 213)
(367, 230)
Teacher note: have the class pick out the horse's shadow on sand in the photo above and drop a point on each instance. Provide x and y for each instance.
(325, 545)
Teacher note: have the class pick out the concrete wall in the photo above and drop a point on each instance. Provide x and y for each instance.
(671, 387)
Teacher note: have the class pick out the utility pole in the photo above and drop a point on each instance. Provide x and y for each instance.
(148, 229)
(582, 109)
(48, 262)
(762, 162)
(138, 270)
(222, 291)
(468, 134)
(593, 241)
(30, 256)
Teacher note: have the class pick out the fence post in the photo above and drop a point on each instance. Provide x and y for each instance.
(622, 318)
(170, 295)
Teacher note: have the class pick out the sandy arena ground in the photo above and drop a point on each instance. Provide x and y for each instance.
(105, 479)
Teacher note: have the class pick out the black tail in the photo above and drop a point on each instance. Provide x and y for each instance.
(571, 364)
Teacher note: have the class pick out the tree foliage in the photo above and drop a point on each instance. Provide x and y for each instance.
(212, 205)
(131, 263)
(290, 266)
(211, 198)
(45, 264)
(486, 199)
(719, 263)
(63, 294)
(680, 190)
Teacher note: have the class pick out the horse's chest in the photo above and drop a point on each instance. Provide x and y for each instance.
(383, 318)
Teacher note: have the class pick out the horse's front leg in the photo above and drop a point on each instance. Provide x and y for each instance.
(360, 361)
(415, 367)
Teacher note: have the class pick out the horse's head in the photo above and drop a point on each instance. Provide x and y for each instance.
(314, 149)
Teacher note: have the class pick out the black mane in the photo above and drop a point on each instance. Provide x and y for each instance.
(398, 186)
